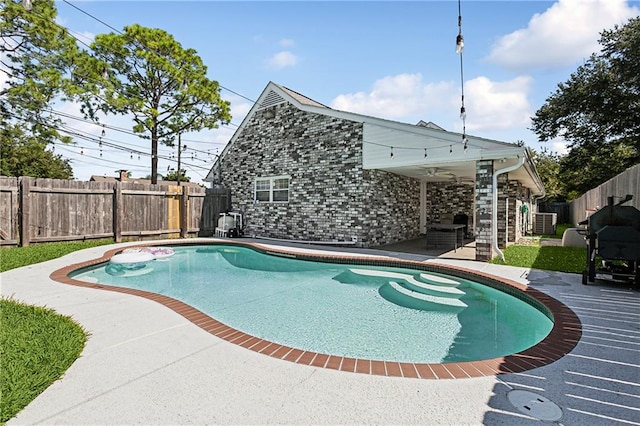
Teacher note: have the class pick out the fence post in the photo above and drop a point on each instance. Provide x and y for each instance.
(117, 212)
(184, 208)
(25, 211)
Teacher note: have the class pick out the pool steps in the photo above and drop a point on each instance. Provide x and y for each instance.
(411, 280)
(427, 297)
(443, 294)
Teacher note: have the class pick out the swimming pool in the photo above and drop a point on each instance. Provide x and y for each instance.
(381, 310)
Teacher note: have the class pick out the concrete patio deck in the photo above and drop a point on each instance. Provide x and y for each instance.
(145, 364)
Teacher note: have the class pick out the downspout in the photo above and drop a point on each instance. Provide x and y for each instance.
(494, 207)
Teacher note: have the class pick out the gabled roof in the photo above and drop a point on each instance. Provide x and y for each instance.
(430, 124)
(416, 148)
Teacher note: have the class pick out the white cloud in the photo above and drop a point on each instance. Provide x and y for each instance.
(494, 105)
(490, 105)
(282, 60)
(396, 97)
(286, 42)
(565, 33)
(559, 145)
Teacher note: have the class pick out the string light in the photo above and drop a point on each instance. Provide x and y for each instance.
(459, 50)
(459, 43)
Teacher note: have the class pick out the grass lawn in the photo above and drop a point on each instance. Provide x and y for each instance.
(37, 345)
(16, 257)
(550, 258)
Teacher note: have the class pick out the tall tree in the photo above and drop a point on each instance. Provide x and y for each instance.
(35, 57)
(597, 111)
(22, 155)
(146, 73)
(548, 166)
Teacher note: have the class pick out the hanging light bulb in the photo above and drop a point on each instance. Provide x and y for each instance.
(185, 86)
(450, 149)
(131, 156)
(391, 155)
(425, 153)
(459, 43)
(27, 4)
(463, 113)
(105, 73)
(81, 151)
(103, 131)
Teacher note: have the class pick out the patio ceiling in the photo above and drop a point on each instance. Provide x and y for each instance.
(433, 155)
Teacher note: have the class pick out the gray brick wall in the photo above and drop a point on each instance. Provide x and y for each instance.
(484, 188)
(331, 198)
(453, 198)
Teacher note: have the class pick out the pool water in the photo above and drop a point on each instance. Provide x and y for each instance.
(358, 311)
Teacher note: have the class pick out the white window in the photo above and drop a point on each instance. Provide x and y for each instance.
(273, 189)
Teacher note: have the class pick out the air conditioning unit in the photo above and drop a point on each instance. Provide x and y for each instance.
(545, 223)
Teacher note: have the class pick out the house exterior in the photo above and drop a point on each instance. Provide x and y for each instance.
(299, 170)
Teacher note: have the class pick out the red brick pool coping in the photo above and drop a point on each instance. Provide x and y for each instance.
(564, 336)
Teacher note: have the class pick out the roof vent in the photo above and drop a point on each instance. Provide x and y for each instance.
(271, 99)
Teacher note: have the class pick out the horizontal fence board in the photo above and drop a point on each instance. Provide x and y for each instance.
(72, 190)
(70, 238)
(147, 233)
(156, 193)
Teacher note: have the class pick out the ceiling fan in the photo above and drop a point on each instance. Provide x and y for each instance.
(435, 172)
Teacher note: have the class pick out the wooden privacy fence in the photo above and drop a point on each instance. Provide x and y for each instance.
(627, 182)
(45, 210)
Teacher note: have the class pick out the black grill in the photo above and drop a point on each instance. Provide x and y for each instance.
(613, 234)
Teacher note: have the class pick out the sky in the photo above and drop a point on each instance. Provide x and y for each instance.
(389, 59)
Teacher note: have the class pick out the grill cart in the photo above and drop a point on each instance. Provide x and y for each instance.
(613, 234)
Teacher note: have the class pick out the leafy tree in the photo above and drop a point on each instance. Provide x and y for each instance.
(22, 155)
(173, 175)
(597, 111)
(36, 55)
(548, 166)
(146, 73)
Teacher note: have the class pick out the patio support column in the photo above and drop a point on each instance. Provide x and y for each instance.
(503, 205)
(484, 191)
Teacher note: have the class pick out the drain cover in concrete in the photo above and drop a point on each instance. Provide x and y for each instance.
(535, 405)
